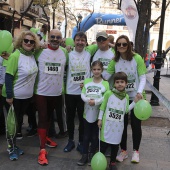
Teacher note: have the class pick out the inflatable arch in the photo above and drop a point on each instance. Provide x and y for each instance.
(100, 19)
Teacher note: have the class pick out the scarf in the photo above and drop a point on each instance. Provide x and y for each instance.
(27, 53)
(51, 48)
(119, 94)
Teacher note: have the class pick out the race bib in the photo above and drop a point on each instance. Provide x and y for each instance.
(78, 78)
(93, 92)
(114, 115)
(105, 62)
(131, 86)
(52, 68)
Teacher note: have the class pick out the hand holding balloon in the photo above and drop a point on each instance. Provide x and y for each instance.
(142, 109)
(5, 55)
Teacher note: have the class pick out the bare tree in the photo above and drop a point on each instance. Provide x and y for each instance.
(144, 23)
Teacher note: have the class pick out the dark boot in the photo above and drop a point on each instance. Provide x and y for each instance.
(112, 166)
(90, 156)
(83, 160)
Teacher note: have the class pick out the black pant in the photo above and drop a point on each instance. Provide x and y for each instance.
(136, 131)
(31, 112)
(58, 109)
(20, 106)
(90, 135)
(74, 103)
(114, 150)
(2, 118)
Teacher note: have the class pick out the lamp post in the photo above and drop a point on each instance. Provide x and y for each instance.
(154, 99)
(79, 22)
(54, 6)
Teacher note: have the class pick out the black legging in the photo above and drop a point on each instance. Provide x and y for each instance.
(114, 150)
(90, 135)
(74, 103)
(20, 106)
(136, 131)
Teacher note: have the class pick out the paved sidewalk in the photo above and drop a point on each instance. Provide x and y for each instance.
(154, 149)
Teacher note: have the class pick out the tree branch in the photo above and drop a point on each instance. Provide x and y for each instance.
(24, 13)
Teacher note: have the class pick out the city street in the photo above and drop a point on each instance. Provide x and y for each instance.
(154, 150)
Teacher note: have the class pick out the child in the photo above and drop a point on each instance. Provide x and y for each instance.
(92, 94)
(111, 116)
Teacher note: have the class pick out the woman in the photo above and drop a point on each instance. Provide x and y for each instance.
(133, 65)
(20, 77)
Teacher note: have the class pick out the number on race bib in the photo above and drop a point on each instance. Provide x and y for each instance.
(130, 85)
(92, 90)
(78, 78)
(52, 68)
(115, 116)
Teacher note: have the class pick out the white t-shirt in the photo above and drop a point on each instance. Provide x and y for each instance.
(130, 68)
(78, 70)
(105, 57)
(51, 65)
(113, 120)
(94, 91)
(24, 69)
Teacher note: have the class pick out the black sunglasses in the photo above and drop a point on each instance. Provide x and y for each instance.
(99, 39)
(27, 40)
(57, 37)
(122, 44)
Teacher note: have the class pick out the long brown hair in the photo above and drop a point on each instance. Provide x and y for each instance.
(129, 52)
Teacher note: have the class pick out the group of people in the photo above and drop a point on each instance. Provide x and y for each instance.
(101, 81)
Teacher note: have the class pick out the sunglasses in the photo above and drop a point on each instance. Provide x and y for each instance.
(27, 40)
(57, 37)
(99, 39)
(122, 44)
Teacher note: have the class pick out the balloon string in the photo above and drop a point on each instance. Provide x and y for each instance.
(99, 139)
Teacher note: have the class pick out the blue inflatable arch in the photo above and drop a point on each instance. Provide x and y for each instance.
(100, 19)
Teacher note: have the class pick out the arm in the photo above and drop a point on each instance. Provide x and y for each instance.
(104, 104)
(131, 106)
(110, 70)
(84, 98)
(142, 83)
(101, 112)
(98, 101)
(9, 91)
(99, 123)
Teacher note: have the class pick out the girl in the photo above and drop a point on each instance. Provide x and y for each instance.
(111, 116)
(133, 65)
(92, 94)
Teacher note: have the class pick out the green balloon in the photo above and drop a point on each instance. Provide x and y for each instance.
(11, 48)
(5, 40)
(99, 162)
(142, 110)
(33, 30)
(69, 41)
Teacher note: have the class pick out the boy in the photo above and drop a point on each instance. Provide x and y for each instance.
(111, 116)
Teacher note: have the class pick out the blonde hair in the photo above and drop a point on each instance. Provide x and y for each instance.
(19, 40)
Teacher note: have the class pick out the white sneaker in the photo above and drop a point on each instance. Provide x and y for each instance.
(122, 156)
(135, 157)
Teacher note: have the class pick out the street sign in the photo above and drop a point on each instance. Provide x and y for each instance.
(111, 31)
